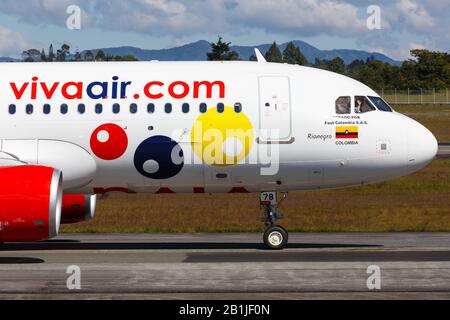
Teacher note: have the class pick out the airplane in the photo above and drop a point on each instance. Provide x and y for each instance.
(74, 130)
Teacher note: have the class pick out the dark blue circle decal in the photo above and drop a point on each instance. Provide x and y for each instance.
(159, 157)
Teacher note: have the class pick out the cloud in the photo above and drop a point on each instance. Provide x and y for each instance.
(157, 17)
(414, 15)
(307, 18)
(400, 53)
(185, 17)
(43, 12)
(423, 21)
(11, 41)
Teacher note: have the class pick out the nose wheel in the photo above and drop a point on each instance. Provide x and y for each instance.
(275, 236)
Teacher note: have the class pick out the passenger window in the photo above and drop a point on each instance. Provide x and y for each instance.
(343, 105)
(46, 108)
(64, 108)
(133, 108)
(168, 108)
(81, 108)
(238, 107)
(29, 109)
(98, 108)
(116, 108)
(203, 107)
(12, 109)
(220, 107)
(363, 105)
(151, 108)
(185, 107)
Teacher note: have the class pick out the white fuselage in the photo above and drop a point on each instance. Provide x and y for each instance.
(287, 111)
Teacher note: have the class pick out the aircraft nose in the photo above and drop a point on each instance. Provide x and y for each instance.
(422, 146)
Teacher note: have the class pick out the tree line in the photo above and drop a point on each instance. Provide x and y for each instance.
(63, 54)
(427, 69)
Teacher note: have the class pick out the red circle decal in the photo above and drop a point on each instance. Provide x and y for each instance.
(109, 141)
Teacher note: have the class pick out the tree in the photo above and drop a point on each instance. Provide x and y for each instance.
(220, 51)
(100, 56)
(354, 65)
(293, 55)
(320, 64)
(337, 65)
(274, 53)
(78, 56)
(62, 53)
(376, 74)
(128, 57)
(88, 56)
(51, 55)
(432, 68)
(43, 56)
(31, 55)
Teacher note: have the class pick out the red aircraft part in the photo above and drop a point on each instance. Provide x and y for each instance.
(77, 208)
(30, 203)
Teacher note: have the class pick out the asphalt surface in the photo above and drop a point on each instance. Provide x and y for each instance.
(444, 150)
(228, 266)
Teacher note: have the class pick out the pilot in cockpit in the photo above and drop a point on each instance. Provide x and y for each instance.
(358, 104)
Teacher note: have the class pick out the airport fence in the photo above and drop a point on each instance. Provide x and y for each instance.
(415, 96)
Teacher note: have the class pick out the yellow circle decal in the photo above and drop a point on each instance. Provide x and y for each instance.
(222, 139)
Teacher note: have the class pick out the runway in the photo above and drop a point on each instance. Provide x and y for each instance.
(229, 266)
(444, 150)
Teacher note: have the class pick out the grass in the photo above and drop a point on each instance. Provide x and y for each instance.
(418, 202)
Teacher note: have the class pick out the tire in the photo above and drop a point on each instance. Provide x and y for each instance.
(275, 237)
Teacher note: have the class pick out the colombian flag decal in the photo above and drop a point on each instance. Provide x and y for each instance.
(347, 132)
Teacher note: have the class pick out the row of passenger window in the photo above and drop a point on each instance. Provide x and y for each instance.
(133, 108)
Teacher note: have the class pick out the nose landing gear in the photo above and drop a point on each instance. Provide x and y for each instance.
(275, 237)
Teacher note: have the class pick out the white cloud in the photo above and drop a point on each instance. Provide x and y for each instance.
(43, 12)
(414, 15)
(181, 19)
(11, 42)
(185, 17)
(399, 53)
(310, 17)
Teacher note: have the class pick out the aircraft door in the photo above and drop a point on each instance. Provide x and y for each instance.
(275, 109)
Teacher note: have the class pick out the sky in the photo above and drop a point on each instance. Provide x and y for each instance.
(392, 27)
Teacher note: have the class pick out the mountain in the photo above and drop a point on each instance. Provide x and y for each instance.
(8, 59)
(196, 51)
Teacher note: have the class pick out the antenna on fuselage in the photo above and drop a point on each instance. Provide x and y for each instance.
(259, 56)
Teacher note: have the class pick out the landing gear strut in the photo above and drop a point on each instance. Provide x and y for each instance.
(275, 237)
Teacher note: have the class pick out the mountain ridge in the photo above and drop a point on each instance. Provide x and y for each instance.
(196, 51)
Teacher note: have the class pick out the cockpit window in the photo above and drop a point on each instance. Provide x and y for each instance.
(343, 105)
(380, 104)
(363, 105)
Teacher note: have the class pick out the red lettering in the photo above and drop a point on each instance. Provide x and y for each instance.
(209, 88)
(181, 95)
(34, 88)
(19, 92)
(78, 93)
(152, 95)
(49, 92)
